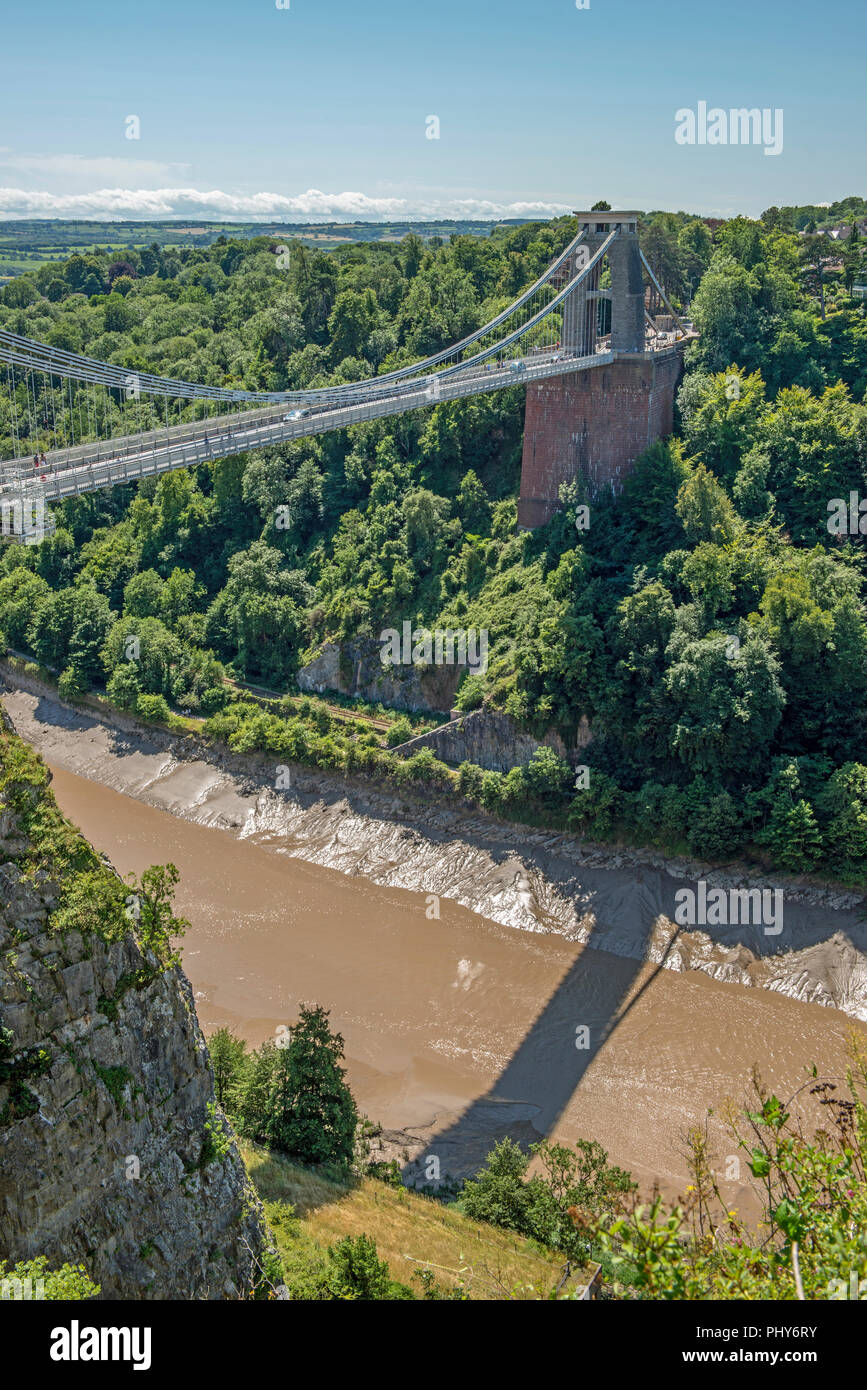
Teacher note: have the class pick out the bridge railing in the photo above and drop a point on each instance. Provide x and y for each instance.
(218, 442)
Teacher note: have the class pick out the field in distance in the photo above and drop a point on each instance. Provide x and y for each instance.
(27, 244)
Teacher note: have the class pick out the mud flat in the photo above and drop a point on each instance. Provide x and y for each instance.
(460, 958)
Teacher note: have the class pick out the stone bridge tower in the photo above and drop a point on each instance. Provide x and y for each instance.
(594, 423)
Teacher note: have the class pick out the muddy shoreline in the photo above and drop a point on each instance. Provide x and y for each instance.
(621, 901)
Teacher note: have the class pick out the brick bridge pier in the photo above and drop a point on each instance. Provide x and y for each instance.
(593, 424)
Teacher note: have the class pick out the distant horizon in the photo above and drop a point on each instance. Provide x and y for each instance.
(181, 220)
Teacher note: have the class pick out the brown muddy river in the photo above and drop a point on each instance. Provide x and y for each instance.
(459, 1029)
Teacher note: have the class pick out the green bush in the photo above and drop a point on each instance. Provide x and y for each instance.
(153, 708)
(470, 777)
(356, 1272)
(424, 768)
(845, 804)
(597, 808)
(400, 732)
(33, 1279)
(124, 688)
(228, 1061)
(715, 829)
(541, 1206)
(213, 699)
(70, 686)
(471, 694)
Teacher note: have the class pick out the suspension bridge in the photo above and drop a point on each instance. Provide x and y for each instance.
(71, 424)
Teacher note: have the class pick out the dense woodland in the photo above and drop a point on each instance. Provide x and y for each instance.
(701, 742)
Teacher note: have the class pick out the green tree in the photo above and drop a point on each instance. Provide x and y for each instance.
(472, 504)
(351, 323)
(124, 687)
(257, 619)
(424, 519)
(721, 416)
(355, 1271)
(727, 705)
(309, 1110)
(815, 255)
(704, 509)
(143, 595)
(147, 644)
(229, 1061)
(540, 1206)
(152, 901)
(844, 803)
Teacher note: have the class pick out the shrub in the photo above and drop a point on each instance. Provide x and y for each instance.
(124, 688)
(715, 826)
(32, 1278)
(470, 780)
(70, 686)
(357, 1272)
(400, 732)
(471, 694)
(154, 913)
(539, 1206)
(547, 775)
(659, 813)
(793, 836)
(153, 708)
(492, 791)
(229, 1061)
(598, 807)
(845, 802)
(213, 699)
(425, 767)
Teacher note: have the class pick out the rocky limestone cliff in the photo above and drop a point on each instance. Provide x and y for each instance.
(105, 1084)
(493, 740)
(355, 668)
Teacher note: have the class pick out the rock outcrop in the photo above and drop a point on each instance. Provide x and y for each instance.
(112, 1153)
(355, 668)
(493, 740)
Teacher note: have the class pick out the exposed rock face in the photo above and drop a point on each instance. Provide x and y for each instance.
(105, 1092)
(355, 668)
(492, 740)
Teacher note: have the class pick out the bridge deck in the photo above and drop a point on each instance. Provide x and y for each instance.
(106, 463)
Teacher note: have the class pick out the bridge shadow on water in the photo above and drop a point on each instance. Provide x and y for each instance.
(537, 1084)
(601, 987)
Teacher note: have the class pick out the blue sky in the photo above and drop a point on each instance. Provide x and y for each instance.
(319, 111)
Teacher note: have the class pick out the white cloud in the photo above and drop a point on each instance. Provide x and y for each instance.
(313, 205)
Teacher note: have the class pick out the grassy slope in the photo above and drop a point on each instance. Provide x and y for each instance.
(411, 1232)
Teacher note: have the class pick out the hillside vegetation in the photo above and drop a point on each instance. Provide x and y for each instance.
(413, 1234)
(710, 622)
